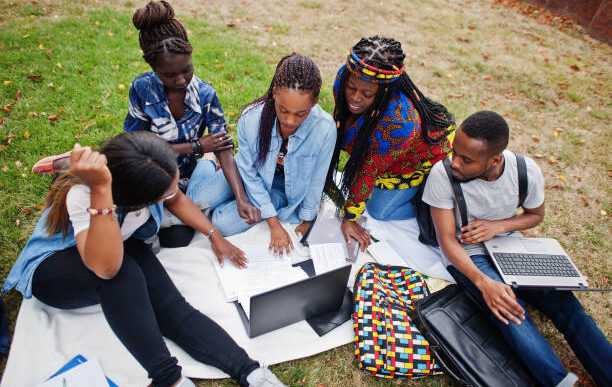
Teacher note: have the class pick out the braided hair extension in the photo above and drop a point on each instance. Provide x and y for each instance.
(386, 54)
(160, 33)
(294, 71)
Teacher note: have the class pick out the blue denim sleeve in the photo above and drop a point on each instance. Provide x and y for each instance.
(135, 119)
(245, 159)
(310, 204)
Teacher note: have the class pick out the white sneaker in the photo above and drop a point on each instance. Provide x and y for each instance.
(184, 382)
(263, 377)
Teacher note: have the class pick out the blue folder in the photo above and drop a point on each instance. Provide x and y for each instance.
(75, 361)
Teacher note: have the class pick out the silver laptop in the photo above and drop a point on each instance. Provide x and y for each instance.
(328, 230)
(534, 262)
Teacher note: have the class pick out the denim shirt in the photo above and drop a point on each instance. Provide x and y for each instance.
(41, 246)
(306, 163)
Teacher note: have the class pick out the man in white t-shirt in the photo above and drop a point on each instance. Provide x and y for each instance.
(489, 181)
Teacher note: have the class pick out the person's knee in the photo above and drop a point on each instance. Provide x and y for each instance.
(203, 173)
(229, 225)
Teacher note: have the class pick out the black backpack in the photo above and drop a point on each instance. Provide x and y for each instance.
(427, 231)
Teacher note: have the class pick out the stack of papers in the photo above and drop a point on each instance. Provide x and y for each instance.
(327, 256)
(264, 272)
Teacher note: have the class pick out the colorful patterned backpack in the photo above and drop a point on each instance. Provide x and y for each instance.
(387, 344)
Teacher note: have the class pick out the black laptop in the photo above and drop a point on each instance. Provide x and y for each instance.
(305, 299)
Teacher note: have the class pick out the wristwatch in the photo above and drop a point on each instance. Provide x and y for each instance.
(196, 147)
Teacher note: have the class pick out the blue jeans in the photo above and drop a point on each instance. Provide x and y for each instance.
(209, 185)
(565, 311)
(391, 204)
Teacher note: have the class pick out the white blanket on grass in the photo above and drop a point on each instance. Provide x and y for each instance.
(45, 338)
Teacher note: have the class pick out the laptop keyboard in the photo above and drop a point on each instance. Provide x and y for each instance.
(535, 265)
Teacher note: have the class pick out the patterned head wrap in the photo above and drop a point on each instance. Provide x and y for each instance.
(370, 73)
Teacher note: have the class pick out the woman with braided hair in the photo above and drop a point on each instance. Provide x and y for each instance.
(285, 142)
(393, 133)
(176, 105)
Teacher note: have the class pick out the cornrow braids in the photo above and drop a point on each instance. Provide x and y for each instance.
(294, 71)
(387, 54)
(160, 33)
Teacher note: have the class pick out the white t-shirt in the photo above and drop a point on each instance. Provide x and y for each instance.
(487, 200)
(79, 198)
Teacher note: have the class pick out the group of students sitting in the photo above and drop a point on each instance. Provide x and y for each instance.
(89, 245)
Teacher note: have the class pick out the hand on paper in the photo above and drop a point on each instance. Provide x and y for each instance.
(303, 227)
(280, 241)
(224, 249)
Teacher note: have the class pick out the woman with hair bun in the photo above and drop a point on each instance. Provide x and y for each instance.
(88, 248)
(177, 106)
(392, 132)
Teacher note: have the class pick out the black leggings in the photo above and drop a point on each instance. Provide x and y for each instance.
(141, 304)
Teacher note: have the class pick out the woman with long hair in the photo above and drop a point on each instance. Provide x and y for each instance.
(88, 248)
(392, 132)
(285, 145)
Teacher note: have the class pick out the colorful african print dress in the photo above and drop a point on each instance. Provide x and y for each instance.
(398, 156)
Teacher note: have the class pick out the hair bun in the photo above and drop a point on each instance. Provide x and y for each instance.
(153, 14)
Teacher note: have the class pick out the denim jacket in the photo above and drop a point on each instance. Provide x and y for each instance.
(306, 163)
(42, 245)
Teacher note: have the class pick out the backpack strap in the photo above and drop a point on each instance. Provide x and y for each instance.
(458, 191)
(521, 168)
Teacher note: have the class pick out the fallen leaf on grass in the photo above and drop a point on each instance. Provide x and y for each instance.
(552, 160)
(554, 102)
(121, 86)
(575, 67)
(48, 54)
(33, 76)
(603, 212)
(509, 95)
(486, 77)
(26, 134)
(561, 177)
(604, 282)
(483, 103)
(485, 56)
(232, 77)
(456, 95)
(563, 85)
(535, 138)
(556, 186)
(7, 82)
(585, 200)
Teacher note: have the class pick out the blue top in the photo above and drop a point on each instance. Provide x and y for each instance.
(42, 245)
(306, 163)
(149, 110)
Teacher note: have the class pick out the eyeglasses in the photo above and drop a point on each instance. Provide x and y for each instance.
(170, 196)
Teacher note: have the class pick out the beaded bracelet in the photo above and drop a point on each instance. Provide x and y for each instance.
(106, 211)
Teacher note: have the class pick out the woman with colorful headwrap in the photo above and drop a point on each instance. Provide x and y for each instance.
(392, 132)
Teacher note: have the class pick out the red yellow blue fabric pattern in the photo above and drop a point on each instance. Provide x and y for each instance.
(387, 344)
(398, 156)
